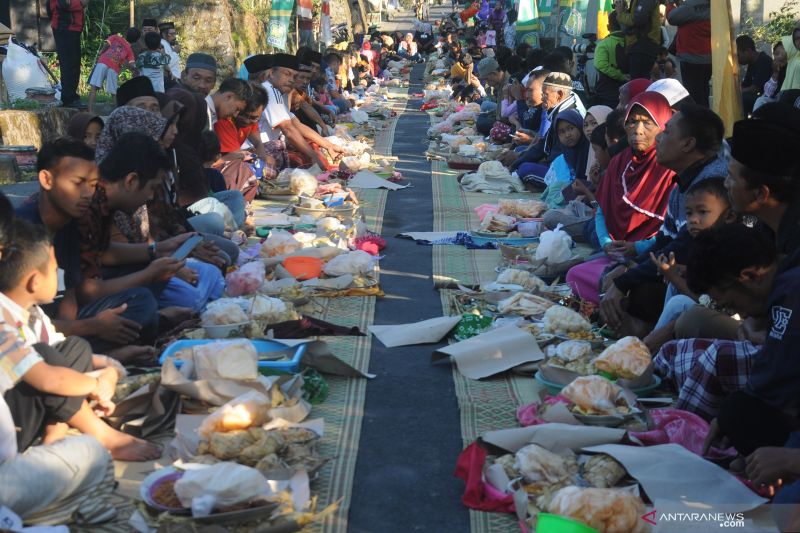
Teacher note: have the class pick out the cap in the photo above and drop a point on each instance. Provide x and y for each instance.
(669, 88)
(133, 88)
(487, 66)
(201, 60)
(166, 26)
(258, 63)
(149, 22)
(286, 61)
(558, 79)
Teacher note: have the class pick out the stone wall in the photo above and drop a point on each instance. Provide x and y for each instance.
(34, 128)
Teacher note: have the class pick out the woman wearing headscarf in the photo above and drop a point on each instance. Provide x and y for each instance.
(86, 127)
(631, 198)
(198, 282)
(570, 165)
(595, 116)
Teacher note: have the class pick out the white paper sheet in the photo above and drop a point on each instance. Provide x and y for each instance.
(670, 472)
(427, 331)
(365, 179)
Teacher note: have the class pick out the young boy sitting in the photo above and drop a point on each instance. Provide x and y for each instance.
(707, 206)
(117, 54)
(152, 61)
(28, 278)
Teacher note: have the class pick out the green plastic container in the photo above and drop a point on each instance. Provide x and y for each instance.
(553, 523)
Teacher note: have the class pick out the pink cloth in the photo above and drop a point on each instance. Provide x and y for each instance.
(679, 427)
(528, 415)
(486, 209)
(584, 279)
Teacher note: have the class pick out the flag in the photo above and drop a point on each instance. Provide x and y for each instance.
(325, 24)
(305, 9)
(726, 99)
(605, 9)
(546, 8)
(527, 21)
(279, 17)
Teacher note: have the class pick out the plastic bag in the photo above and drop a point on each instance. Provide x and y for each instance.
(554, 246)
(21, 71)
(359, 117)
(357, 262)
(220, 485)
(243, 412)
(302, 182)
(223, 312)
(246, 280)
(280, 243)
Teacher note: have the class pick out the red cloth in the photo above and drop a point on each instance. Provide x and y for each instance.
(639, 213)
(469, 467)
(692, 38)
(231, 137)
(66, 15)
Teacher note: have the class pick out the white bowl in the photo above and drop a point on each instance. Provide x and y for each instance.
(226, 331)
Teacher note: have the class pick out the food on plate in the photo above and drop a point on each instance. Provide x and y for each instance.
(261, 448)
(522, 208)
(627, 358)
(226, 445)
(603, 471)
(573, 355)
(269, 462)
(595, 395)
(560, 319)
(266, 443)
(498, 223)
(606, 510)
(523, 303)
(233, 359)
(245, 411)
(542, 469)
(222, 313)
(523, 278)
(165, 496)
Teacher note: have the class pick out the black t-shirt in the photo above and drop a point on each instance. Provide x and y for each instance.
(67, 242)
(758, 73)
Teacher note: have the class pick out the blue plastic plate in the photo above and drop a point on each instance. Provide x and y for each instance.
(262, 346)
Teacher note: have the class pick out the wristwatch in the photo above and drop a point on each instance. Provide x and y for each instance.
(151, 251)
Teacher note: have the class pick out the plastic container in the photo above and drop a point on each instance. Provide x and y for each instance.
(553, 523)
(262, 346)
(302, 267)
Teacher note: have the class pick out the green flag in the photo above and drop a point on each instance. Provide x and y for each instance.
(528, 24)
(279, 17)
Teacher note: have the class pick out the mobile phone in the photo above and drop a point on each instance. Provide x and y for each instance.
(186, 248)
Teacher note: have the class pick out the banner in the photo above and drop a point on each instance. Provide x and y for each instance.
(528, 24)
(605, 9)
(279, 17)
(325, 24)
(726, 98)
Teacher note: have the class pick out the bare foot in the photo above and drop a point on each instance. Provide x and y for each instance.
(173, 316)
(124, 447)
(133, 355)
(54, 432)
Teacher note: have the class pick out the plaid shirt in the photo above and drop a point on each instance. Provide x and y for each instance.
(705, 371)
(15, 357)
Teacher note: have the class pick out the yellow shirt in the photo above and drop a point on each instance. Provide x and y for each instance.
(458, 71)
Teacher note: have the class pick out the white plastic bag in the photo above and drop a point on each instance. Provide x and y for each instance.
(245, 280)
(359, 117)
(357, 262)
(220, 485)
(280, 242)
(21, 71)
(554, 246)
(302, 182)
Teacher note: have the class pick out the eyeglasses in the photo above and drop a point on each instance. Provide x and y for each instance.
(648, 124)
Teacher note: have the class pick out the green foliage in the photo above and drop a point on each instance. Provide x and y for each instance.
(781, 23)
(24, 104)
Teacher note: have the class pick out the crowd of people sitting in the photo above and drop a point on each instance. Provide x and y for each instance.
(696, 237)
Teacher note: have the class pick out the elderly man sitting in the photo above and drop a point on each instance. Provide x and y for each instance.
(408, 49)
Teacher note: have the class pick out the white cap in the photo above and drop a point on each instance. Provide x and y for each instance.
(669, 88)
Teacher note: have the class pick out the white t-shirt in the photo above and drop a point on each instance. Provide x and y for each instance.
(212, 112)
(174, 59)
(275, 114)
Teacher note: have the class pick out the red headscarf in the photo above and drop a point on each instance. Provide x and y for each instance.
(637, 86)
(634, 192)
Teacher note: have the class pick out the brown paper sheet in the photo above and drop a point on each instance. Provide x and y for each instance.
(424, 332)
(492, 352)
(670, 472)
